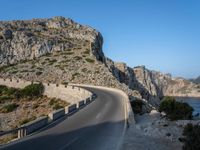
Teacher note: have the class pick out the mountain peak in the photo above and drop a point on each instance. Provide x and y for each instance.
(29, 39)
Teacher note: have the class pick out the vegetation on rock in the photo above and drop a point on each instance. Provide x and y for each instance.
(33, 90)
(8, 108)
(137, 106)
(26, 120)
(191, 138)
(20, 106)
(175, 110)
(57, 106)
(90, 60)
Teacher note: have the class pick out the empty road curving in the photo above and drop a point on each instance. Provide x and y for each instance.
(98, 126)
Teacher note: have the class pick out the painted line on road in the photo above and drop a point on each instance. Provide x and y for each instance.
(69, 143)
(98, 115)
(125, 124)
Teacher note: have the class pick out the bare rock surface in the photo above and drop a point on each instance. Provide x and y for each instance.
(60, 50)
(152, 133)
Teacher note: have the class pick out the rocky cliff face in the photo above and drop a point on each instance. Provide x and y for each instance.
(26, 40)
(153, 85)
(164, 84)
(59, 50)
(197, 80)
(139, 80)
(55, 50)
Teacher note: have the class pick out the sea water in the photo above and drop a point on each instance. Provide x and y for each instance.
(193, 102)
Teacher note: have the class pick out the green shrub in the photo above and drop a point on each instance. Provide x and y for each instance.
(52, 102)
(67, 50)
(87, 52)
(191, 138)
(24, 121)
(90, 60)
(35, 106)
(14, 72)
(175, 110)
(33, 90)
(10, 91)
(8, 108)
(4, 98)
(2, 89)
(53, 60)
(3, 68)
(65, 83)
(38, 73)
(84, 69)
(57, 106)
(69, 53)
(77, 58)
(137, 106)
(75, 75)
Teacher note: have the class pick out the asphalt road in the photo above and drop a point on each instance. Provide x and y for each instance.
(98, 126)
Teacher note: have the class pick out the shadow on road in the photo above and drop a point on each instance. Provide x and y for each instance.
(100, 136)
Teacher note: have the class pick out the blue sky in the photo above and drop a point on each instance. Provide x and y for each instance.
(163, 35)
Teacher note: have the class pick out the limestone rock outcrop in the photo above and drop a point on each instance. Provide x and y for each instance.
(26, 40)
(60, 50)
(160, 84)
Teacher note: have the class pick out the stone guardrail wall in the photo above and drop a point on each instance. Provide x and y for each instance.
(43, 121)
(32, 126)
(57, 114)
(81, 103)
(75, 95)
(71, 108)
(185, 122)
(68, 93)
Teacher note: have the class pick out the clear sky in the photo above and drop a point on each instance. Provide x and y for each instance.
(163, 35)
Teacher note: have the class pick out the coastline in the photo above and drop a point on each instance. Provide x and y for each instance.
(184, 96)
(187, 97)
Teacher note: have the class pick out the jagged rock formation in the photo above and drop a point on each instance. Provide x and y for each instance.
(25, 40)
(164, 84)
(59, 50)
(197, 80)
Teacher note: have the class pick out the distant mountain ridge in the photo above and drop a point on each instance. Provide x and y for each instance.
(197, 80)
(60, 50)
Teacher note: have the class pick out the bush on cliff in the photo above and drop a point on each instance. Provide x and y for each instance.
(137, 106)
(175, 110)
(191, 138)
(4, 90)
(32, 90)
(26, 120)
(8, 108)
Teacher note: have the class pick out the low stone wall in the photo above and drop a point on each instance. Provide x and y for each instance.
(75, 95)
(57, 114)
(70, 94)
(71, 108)
(88, 100)
(81, 103)
(32, 126)
(43, 121)
(14, 83)
(182, 123)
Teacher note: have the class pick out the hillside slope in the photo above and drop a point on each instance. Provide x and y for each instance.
(59, 50)
(197, 80)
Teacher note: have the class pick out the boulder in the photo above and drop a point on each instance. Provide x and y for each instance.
(7, 34)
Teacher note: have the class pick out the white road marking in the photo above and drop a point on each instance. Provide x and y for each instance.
(98, 115)
(69, 143)
(125, 124)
